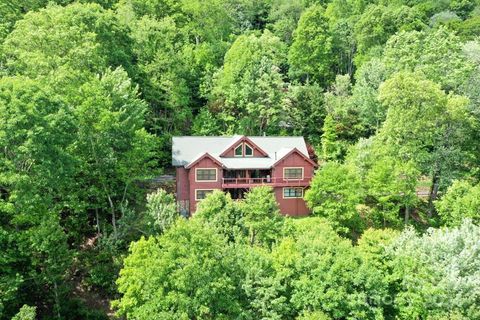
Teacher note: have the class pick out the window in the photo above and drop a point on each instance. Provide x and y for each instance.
(202, 193)
(239, 151)
(293, 173)
(206, 175)
(292, 192)
(248, 151)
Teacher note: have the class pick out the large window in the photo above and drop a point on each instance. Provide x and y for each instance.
(292, 193)
(239, 151)
(206, 174)
(248, 151)
(202, 193)
(293, 173)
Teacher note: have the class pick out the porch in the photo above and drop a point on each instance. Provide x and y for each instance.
(252, 178)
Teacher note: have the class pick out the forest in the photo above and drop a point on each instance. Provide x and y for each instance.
(387, 92)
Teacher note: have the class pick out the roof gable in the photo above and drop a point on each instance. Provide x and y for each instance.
(295, 150)
(240, 140)
(201, 157)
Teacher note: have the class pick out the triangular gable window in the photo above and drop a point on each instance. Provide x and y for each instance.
(239, 150)
(248, 151)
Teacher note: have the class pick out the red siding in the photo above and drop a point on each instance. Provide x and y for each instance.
(183, 187)
(291, 206)
(204, 163)
(293, 160)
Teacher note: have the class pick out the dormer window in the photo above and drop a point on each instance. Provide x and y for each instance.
(239, 150)
(248, 151)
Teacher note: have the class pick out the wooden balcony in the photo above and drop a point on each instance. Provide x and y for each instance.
(273, 182)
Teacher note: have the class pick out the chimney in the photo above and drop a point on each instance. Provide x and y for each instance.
(264, 134)
(275, 155)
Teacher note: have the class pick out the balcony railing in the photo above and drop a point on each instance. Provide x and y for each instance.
(273, 181)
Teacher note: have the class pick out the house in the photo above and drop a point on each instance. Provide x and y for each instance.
(237, 163)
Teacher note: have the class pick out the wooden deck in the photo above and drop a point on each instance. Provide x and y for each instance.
(273, 182)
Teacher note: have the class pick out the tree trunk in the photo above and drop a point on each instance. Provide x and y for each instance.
(252, 237)
(433, 193)
(98, 221)
(114, 219)
(57, 300)
(407, 214)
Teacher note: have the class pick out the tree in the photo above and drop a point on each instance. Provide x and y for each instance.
(436, 53)
(189, 271)
(425, 126)
(161, 211)
(111, 141)
(461, 201)
(315, 315)
(264, 293)
(78, 39)
(331, 147)
(163, 73)
(326, 273)
(345, 118)
(391, 187)
(378, 22)
(445, 271)
(303, 111)
(334, 194)
(250, 86)
(205, 124)
(222, 213)
(310, 55)
(463, 7)
(26, 313)
(261, 215)
(365, 95)
(283, 18)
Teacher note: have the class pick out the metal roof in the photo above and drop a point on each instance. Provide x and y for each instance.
(189, 148)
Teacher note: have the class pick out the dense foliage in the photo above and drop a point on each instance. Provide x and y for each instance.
(387, 93)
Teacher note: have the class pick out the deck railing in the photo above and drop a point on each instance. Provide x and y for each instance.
(265, 180)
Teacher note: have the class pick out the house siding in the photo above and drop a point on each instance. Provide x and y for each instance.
(292, 206)
(183, 187)
(203, 163)
(293, 160)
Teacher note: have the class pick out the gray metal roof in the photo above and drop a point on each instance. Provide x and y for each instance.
(188, 149)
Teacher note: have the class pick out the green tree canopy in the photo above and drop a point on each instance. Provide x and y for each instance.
(310, 55)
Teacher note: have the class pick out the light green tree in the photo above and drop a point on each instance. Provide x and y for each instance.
(250, 85)
(78, 39)
(377, 23)
(437, 273)
(461, 201)
(283, 17)
(261, 215)
(390, 188)
(26, 313)
(310, 55)
(189, 271)
(161, 211)
(334, 194)
(426, 126)
(436, 53)
(331, 147)
(222, 213)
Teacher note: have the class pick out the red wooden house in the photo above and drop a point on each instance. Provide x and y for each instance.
(236, 164)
